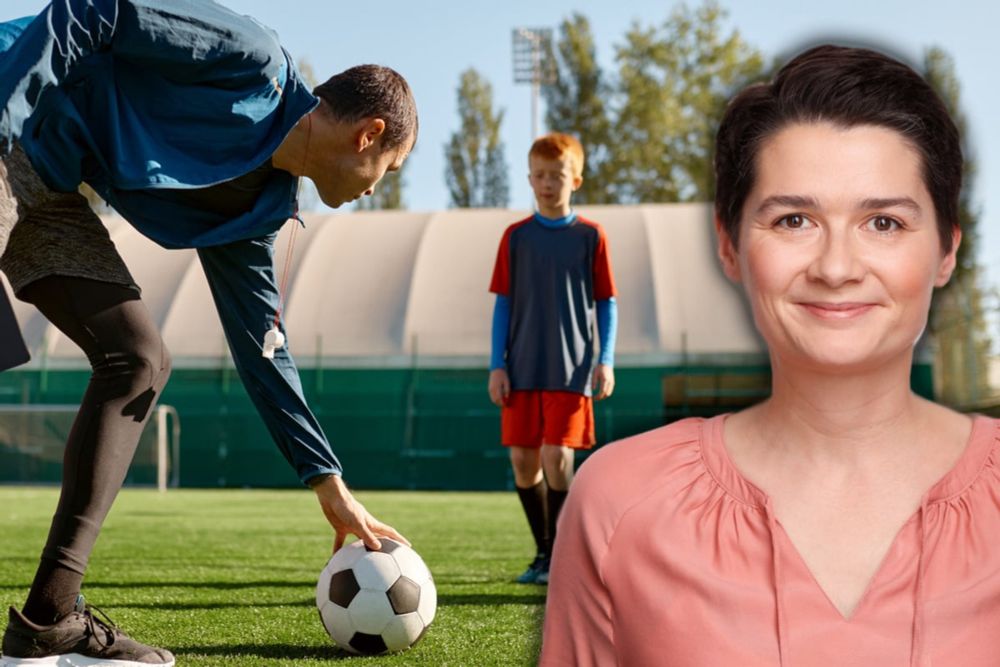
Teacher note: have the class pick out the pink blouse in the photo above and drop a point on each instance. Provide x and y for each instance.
(668, 557)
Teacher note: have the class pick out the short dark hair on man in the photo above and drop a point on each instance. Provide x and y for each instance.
(372, 91)
(847, 87)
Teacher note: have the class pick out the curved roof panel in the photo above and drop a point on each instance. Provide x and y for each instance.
(394, 288)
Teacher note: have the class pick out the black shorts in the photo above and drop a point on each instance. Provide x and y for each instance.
(45, 233)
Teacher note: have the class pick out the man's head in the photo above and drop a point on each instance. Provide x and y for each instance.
(366, 125)
(555, 171)
(372, 91)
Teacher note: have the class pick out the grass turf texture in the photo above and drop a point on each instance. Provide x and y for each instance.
(227, 577)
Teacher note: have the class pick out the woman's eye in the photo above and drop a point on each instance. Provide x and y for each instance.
(794, 222)
(881, 223)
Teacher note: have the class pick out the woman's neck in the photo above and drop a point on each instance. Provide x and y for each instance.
(833, 416)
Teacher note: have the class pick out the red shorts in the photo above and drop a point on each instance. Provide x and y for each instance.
(534, 418)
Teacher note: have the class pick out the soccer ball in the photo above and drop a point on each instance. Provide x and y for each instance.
(371, 602)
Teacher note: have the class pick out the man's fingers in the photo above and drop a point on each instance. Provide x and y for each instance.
(391, 532)
(369, 538)
(338, 540)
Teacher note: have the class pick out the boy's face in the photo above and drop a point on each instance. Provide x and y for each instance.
(553, 183)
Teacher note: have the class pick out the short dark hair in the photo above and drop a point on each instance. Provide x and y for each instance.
(372, 91)
(847, 87)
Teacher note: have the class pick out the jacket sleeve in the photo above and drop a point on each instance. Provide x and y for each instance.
(241, 278)
(186, 41)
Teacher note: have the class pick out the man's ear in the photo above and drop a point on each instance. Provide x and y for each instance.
(950, 260)
(367, 132)
(727, 252)
(577, 182)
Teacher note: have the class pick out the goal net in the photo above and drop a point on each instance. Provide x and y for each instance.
(33, 439)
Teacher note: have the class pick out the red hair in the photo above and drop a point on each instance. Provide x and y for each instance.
(556, 146)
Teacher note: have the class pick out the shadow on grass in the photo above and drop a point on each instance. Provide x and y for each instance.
(190, 606)
(448, 600)
(222, 585)
(266, 651)
(488, 599)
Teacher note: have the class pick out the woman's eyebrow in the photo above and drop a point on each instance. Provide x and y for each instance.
(891, 202)
(787, 201)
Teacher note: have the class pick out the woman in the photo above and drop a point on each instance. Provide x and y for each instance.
(845, 520)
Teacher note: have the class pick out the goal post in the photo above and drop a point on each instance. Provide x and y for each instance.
(33, 440)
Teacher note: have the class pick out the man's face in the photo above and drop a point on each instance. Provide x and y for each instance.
(355, 174)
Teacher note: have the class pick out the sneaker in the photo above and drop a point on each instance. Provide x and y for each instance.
(530, 576)
(543, 573)
(78, 639)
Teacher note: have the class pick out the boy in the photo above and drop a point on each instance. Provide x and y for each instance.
(552, 280)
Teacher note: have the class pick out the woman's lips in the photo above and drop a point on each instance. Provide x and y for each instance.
(836, 311)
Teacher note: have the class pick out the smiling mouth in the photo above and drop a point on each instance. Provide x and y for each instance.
(836, 311)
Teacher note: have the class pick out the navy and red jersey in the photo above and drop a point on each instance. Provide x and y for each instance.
(553, 277)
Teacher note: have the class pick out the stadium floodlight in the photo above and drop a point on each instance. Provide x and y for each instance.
(533, 64)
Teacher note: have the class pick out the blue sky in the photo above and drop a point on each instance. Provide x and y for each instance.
(431, 42)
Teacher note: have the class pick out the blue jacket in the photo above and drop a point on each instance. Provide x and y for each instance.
(132, 96)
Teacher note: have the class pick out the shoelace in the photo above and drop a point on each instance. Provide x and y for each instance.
(107, 626)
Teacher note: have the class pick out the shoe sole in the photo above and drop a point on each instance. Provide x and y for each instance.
(76, 660)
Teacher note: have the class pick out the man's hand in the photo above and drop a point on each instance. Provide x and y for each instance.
(604, 381)
(499, 387)
(349, 517)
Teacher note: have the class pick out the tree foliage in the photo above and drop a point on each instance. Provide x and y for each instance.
(576, 103)
(958, 315)
(674, 81)
(476, 169)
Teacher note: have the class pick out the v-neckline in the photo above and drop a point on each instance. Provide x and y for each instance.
(953, 482)
(869, 585)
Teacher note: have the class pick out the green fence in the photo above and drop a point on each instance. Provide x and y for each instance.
(392, 428)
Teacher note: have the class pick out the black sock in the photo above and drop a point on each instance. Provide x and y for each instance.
(533, 502)
(555, 502)
(53, 593)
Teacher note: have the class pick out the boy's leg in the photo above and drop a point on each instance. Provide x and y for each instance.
(557, 461)
(130, 367)
(569, 425)
(520, 432)
(532, 491)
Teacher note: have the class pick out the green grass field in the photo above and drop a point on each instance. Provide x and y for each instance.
(227, 577)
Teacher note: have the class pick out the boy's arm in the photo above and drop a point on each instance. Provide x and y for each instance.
(498, 338)
(607, 329)
(607, 318)
(499, 383)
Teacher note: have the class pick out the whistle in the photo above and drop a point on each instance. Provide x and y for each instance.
(273, 340)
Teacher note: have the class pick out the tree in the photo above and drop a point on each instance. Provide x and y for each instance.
(577, 104)
(958, 313)
(476, 170)
(388, 194)
(674, 82)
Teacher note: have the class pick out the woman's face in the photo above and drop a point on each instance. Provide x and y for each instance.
(838, 246)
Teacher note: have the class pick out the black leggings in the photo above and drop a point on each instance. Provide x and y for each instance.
(130, 367)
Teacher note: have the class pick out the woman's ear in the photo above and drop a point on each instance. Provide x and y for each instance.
(727, 252)
(950, 260)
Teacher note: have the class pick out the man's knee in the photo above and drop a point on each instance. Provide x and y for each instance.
(143, 362)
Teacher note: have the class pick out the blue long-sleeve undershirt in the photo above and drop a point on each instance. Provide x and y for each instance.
(607, 331)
